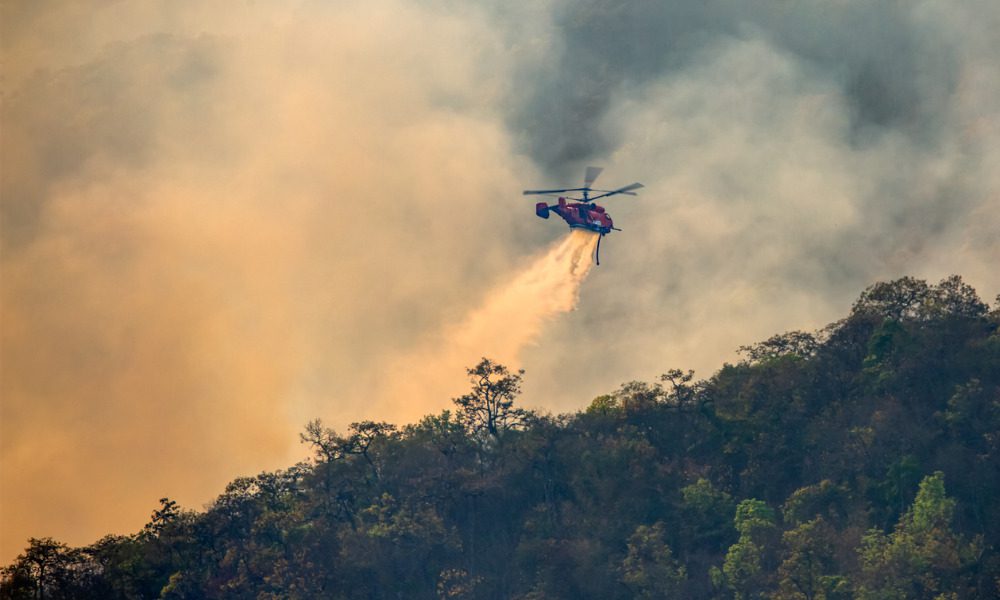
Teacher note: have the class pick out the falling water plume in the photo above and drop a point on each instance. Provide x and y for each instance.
(510, 317)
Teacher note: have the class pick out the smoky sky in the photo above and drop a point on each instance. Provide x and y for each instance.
(891, 68)
(221, 220)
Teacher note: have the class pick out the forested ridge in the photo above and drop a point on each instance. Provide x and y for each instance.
(859, 461)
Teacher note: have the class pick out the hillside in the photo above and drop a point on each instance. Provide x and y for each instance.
(860, 461)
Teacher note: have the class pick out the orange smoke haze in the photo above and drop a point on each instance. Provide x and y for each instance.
(212, 224)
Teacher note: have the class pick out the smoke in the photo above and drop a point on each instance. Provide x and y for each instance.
(793, 153)
(895, 64)
(509, 319)
(217, 224)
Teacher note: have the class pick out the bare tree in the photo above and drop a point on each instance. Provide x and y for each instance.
(489, 407)
(362, 439)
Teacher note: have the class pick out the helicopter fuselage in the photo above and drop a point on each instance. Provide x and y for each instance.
(579, 215)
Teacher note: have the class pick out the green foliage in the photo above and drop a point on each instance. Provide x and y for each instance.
(808, 568)
(913, 299)
(753, 516)
(887, 341)
(657, 490)
(605, 405)
(923, 557)
(705, 514)
(456, 583)
(743, 570)
(931, 508)
(823, 499)
(797, 344)
(649, 569)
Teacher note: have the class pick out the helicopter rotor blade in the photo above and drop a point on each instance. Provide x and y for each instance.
(564, 197)
(591, 174)
(532, 192)
(627, 190)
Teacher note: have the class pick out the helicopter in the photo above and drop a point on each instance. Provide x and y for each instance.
(583, 213)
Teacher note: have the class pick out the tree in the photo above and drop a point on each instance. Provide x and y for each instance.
(45, 570)
(455, 584)
(794, 343)
(402, 548)
(744, 570)
(952, 296)
(922, 557)
(823, 499)
(162, 517)
(705, 511)
(649, 569)
(897, 300)
(489, 407)
(363, 439)
(325, 442)
(909, 298)
(682, 393)
(808, 569)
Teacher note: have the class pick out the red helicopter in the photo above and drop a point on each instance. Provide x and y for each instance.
(583, 213)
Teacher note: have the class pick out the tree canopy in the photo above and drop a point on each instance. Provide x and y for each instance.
(858, 461)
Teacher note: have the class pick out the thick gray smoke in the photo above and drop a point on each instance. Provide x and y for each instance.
(895, 64)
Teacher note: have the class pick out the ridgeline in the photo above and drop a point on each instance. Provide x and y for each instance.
(859, 461)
